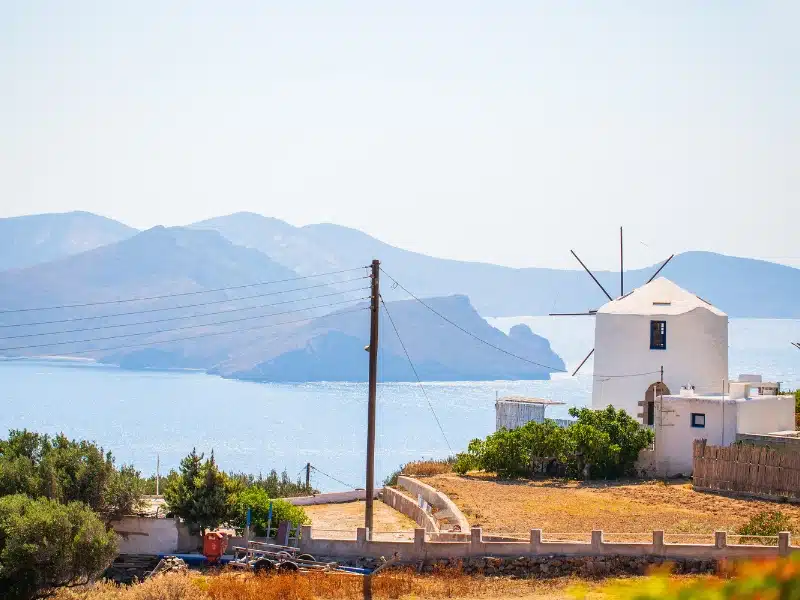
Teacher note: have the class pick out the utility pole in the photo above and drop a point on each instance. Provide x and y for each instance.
(308, 476)
(158, 473)
(621, 282)
(374, 305)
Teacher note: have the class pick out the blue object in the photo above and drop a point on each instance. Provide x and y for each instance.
(248, 519)
(269, 517)
(357, 570)
(195, 560)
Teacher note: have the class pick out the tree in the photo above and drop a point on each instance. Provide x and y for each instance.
(256, 499)
(201, 495)
(67, 470)
(45, 545)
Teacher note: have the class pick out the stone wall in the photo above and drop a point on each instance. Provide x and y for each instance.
(440, 501)
(129, 567)
(403, 504)
(423, 550)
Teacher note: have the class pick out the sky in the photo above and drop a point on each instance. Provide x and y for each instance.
(502, 131)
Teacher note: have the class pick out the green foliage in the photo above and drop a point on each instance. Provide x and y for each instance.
(276, 486)
(600, 444)
(767, 523)
(391, 479)
(201, 494)
(67, 470)
(256, 499)
(45, 544)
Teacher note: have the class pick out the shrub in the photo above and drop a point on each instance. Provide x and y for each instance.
(391, 479)
(600, 444)
(276, 486)
(767, 523)
(427, 468)
(45, 545)
(257, 500)
(67, 470)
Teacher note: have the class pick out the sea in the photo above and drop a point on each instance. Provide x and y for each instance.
(145, 416)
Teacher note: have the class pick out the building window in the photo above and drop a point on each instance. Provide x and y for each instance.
(651, 413)
(698, 419)
(658, 335)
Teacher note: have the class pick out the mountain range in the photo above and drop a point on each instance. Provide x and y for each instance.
(196, 297)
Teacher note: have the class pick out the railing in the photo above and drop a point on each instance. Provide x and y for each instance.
(597, 543)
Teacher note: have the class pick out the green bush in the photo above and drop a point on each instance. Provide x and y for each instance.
(67, 470)
(767, 523)
(45, 545)
(600, 444)
(256, 499)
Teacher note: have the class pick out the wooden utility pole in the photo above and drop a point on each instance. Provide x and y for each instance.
(375, 298)
(621, 267)
(308, 476)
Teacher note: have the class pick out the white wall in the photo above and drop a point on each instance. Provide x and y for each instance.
(146, 535)
(675, 434)
(696, 353)
(766, 414)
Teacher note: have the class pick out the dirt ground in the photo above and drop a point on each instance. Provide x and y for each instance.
(633, 507)
(334, 520)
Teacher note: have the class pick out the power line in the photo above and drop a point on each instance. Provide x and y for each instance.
(334, 478)
(482, 341)
(152, 310)
(124, 335)
(141, 299)
(469, 333)
(193, 316)
(212, 333)
(419, 381)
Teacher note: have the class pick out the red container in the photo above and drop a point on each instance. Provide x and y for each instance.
(214, 545)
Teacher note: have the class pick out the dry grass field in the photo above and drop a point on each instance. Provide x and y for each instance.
(398, 585)
(333, 520)
(633, 507)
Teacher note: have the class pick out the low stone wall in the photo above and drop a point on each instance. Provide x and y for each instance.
(331, 497)
(549, 567)
(422, 550)
(435, 498)
(403, 504)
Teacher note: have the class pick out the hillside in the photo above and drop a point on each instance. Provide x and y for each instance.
(331, 348)
(179, 263)
(762, 289)
(34, 239)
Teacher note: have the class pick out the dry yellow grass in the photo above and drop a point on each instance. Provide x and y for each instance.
(327, 519)
(427, 468)
(633, 507)
(393, 585)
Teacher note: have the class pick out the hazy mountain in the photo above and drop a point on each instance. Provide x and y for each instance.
(174, 262)
(35, 239)
(742, 287)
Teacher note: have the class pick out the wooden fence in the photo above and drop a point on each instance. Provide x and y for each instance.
(748, 470)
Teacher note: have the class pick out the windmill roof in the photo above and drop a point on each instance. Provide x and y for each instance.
(659, 297)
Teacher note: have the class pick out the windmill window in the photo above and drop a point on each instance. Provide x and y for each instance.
(658, 335)
(699, 420)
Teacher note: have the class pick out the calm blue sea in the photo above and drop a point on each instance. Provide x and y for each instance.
(256, 427)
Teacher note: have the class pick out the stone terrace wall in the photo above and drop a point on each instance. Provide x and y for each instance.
(403, 504)
(435, 498)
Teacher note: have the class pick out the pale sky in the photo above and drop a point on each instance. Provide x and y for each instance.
(499, 131)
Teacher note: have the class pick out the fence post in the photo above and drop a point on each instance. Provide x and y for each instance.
(720, 539)
(784, 542)
(476, 539)
(597, 540)
(361, 536)
(536, 541)
(305, 538)
(658, 541)
(419, 539)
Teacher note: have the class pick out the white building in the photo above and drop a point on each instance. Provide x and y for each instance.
(718, 418)
(657, 325)
(515, 411)
(661, 325)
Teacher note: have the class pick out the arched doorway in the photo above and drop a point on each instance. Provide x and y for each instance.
(649, 412)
